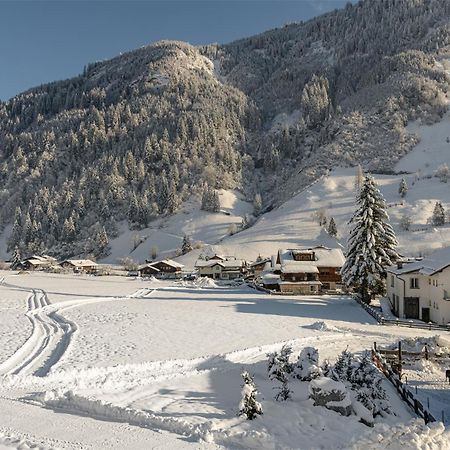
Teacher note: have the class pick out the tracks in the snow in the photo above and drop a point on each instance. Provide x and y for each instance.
(49, 339)
(51, 333)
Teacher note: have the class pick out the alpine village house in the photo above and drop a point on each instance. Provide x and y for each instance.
(221, 268)
(304, 271)
(421, 289)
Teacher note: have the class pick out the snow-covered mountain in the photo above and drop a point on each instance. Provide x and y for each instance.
(134, 140)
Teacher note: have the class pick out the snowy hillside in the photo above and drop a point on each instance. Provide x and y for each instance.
(294, 223)
(166, 234)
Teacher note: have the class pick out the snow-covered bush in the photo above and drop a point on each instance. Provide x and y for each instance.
(443, 173)
(279, 368)
(405, 223)
(307, 367)
(249, 406)
(331, 394)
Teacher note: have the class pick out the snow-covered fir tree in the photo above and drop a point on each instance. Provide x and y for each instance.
(279, 368)
(257, 204)
(186, 246)
(249, 406)
(16, 258)
(371, 244)
(307, 366)
(332, 229)
(438, 217)
(403, 188)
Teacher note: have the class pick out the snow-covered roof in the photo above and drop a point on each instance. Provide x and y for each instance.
(323, 256)
(80, 262)
(145, 266)
(312, 282)
(37, 262)
(299, 267)
(44, 259)
(270, 278)
(238, 263)
(262, 261)
(437, 261)
(169, 262)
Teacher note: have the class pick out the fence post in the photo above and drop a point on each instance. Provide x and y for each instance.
(416, 406)
(400, 359)
(375, 346)
(426, 352)
(443, 417)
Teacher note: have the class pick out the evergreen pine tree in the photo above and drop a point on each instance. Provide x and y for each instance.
(438, 217)
(186, 247)
(249, 406)
(257, 204)
(279, 369)
(332, 229)
(371, 244)
(403, 188)
(16, 258)
(307, 367)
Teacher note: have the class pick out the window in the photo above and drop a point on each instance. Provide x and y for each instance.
(312, 288)
(446, 295)
(392, 280)
(414, 283)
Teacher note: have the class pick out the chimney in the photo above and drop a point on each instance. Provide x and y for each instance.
(399, 265)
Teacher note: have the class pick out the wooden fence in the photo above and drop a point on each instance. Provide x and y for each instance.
(397, 322)
(392, 374)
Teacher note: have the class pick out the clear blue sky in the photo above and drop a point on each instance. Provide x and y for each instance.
(42, 41)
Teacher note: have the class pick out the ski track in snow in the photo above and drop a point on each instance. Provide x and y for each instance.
(51, 333)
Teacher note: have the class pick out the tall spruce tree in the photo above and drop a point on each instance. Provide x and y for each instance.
(403, 188)
(16, 258)
(186, 246)
(371, 244)
(332, 229)
(438, 217)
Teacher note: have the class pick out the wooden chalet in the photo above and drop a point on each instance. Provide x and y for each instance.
(36, 262)
(148, 270)
(167, 268)
(305, 270)
(80, 265)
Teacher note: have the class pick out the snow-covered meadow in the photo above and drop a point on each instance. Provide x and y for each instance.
(113, 362)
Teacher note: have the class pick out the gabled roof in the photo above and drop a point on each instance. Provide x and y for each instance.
(238, 263)
(324, 256)
(36, 262)
(216, 256)
(262, 261)
(169, 262)
(148, 266)
(80, 262)
(436, 262)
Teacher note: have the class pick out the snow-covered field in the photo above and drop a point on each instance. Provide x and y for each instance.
(110, 362)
